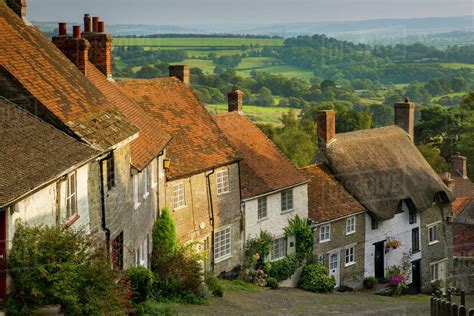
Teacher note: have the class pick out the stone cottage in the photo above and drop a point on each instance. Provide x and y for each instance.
(408, 206)
(203, 181)
(339, 226)
(272, 189)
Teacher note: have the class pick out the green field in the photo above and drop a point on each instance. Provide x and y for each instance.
(451, 95)
(258, 114)
(198, 42)
(457, 65)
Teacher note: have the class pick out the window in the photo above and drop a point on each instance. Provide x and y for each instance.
(433, 234)
(374, 223)
(110, 171)
(415, 240)
(325, 233)
(222, 243)
(350, 225)
(145, 183)
(178, 195)
(262, 207)
(71, 196)
(141, 255)
(286, 201)
(154, 174)
(278, 248)
(135, 189)
(333, 261)
(434, 272)
(412, 216)
(117, 251)
(321, 259)
(223, 182)
(350, 255)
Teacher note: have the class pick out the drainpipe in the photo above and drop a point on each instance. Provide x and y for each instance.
(158, 213)
(102, 202)
(211, 217)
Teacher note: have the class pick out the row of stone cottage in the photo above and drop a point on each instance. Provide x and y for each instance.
(80, 149)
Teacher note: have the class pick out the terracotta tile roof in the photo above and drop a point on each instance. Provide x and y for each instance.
(264, 168)
(197, 143)
(462, 186)
(38, 69)
(327, 198)
(152, 139)
(460, 204)
(33, 152)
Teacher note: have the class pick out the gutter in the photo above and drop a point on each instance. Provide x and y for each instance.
(211, 217)
(276, 191)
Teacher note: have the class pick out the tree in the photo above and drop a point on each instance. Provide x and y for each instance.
(433, 157)
(164, 237)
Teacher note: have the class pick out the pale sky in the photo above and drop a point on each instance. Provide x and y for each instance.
(205, 12)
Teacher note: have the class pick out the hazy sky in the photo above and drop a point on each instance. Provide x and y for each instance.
(201, 12)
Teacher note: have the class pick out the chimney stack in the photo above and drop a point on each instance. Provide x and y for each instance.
(87, 23)
(19, 7)
(448, 181)
(100, 52)
(181, 72)
(235, 101)
(405, 117)
(459, 165)
(75, 48)
(326, 129)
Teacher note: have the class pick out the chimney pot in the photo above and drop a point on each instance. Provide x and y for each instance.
(459, 165)
(95, 24)
(101, 26)
(62, 28)
(76, 49)
(235, 101)
(87, 23)
(76, 31)
(448, 181)
(405, 117)
(181, 72)
(326, 127)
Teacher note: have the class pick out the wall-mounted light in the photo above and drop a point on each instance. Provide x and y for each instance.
(166, 163)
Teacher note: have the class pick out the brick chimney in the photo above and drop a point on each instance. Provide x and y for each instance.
(181, 72)
(448, 180)
(75, 48)
(19, 7)
(405, 117)
(235, 101)
(459, 165)
(326, 129)
(100, 52)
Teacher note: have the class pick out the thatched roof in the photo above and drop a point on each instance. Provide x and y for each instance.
(381, 167)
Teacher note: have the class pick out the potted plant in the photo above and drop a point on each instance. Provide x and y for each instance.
(370, 282)
(393, 244)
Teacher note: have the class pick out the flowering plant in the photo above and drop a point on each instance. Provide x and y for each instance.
(394, 244)
(396, 280)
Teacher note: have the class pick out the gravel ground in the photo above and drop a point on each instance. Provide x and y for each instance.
(297, 302)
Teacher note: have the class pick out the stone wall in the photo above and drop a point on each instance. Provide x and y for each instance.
(351, 275)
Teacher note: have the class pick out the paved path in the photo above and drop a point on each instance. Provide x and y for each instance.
(298, 302)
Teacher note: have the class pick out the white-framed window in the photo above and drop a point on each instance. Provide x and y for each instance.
(222, 244)
(287, 200)
(321, 259)
(333, 261)
(154, 173)
(350, 225)
(279, 247)
(222, 179)
(350, 255)
(135, 189)
(432, 234)
(179, 198)
(325, 233)
(146, 190)
(71, 195)
(434, 267)
(262, 207)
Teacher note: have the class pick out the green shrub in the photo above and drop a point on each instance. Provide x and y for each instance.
(284, 268)
(272, 282)
(301, 229)
(257, 249)
(60, 265)
(151, 307)
(141, 281)
(370, 282)
(164, 237)
(214, 285)
(315, 278)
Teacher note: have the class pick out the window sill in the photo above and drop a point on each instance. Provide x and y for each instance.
(136, 205)
(324, 241)
(72, 220)
(179, 208)
(349, 264)
(415, 251)
(433, 242)
(223, 193)
(350, 233)
(287, 211)
(222, 259)
(146, 195)
(263, 219)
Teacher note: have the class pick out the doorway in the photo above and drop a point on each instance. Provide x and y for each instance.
(379, 259)
(415, 286)
(334, 267)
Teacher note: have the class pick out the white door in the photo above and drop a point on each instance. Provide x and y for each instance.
(334, 267)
